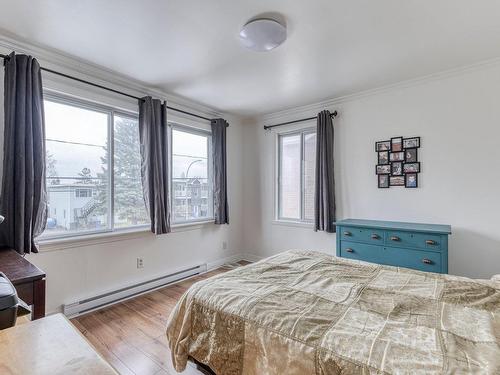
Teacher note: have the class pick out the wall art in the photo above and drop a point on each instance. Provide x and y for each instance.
(397, 162)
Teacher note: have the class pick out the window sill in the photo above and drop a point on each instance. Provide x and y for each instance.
(54, 244)
(191, 225)
(291, 223)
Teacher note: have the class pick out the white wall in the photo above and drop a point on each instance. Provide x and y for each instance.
(458, 117)
(84, 269)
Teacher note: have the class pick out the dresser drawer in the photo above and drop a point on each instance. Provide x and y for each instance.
(417, 240)
(367, 235)
(429, 261)
(361, 251)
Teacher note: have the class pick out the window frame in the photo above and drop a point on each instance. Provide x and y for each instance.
(79, 191)
(111, 111)
(174, 125)
(302, 132)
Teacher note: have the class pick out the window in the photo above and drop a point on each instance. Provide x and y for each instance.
(192, 198)
(296, 175)
(129, 207)
(82, 193)
(88, 147)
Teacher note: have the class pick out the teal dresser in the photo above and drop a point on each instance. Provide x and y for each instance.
(422, 247)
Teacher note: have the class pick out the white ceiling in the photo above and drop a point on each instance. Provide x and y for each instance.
(335, 47)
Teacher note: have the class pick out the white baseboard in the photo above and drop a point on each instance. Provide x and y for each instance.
(250, 257)
(131, 291)
(110, 298)
(220, 262)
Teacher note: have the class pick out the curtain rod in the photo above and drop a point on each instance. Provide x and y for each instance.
(266, 127)
(6, 57)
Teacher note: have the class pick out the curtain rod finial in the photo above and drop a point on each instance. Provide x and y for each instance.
(334, 114)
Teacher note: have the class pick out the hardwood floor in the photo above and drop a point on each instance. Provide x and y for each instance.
(131, 335)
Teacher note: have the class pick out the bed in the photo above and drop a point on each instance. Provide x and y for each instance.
(304, 312)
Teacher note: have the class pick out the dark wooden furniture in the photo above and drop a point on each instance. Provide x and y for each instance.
(27, 278)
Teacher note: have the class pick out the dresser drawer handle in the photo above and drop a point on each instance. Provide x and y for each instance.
(346, 233)
(375, 236)
(349, 250)
(426, 261)
(394, 238)
(430, 242)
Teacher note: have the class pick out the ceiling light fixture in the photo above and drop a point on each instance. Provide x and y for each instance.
(263, 34)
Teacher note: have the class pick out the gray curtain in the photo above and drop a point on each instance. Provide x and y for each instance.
(153, 137)
(324, 197)
(221, 210)
(24, 195)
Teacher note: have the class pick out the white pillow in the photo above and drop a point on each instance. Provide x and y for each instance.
(496, 278)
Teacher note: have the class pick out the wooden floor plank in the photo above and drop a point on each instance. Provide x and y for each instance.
(112, 359)
(148, 309)
(138, 362)
(131, 335)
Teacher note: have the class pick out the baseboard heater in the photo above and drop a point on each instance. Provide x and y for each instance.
(97, 302)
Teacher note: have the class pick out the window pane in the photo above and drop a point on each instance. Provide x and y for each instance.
(290, 178)
(309, 174)
(77, 169)
(191, 187)
(129, 207)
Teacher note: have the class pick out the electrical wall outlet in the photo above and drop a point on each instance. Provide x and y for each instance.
(224, 245)
(140, 263)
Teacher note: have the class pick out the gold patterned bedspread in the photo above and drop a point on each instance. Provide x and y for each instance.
(304, 312)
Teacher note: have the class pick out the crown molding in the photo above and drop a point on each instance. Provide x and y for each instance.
(313, 108)
(68, 64)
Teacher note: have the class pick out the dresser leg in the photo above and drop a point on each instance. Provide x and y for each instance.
(38, 299)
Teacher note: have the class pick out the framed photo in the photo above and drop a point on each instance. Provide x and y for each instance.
(397, 144)
(411, 180)
(396, 181)
(411, 142)
(383, 146)
(411, 155)
(383, 157)
(398, 163)
(397, 156)
(411, 167)
(383, 181)
(383, 169)
(397, 168)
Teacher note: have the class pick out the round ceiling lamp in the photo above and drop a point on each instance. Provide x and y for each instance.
(263, 34)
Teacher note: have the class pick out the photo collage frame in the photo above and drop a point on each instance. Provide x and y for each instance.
(397, 162)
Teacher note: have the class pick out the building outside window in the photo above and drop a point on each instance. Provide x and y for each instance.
(191, 175)
(94, 170)
(83, 141)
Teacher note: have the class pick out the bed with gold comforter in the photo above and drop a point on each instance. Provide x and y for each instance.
(303, 312)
